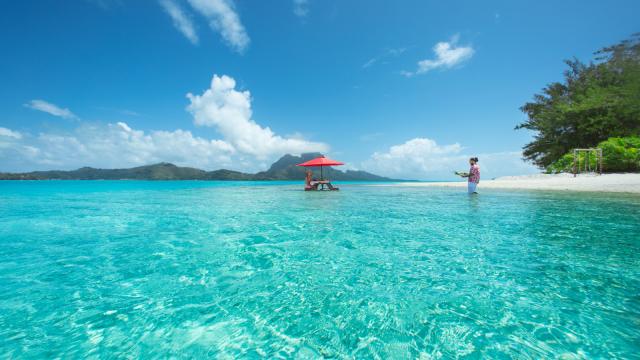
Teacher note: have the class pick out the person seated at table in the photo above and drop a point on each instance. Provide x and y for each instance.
(310, 184)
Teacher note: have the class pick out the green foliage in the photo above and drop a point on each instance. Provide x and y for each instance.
(595, 101)
(566, 163)
(619, 155)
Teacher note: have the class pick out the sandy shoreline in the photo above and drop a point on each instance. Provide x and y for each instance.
(620, 183)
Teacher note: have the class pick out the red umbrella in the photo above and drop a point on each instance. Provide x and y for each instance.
(320, 161)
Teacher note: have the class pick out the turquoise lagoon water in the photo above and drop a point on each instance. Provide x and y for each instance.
(109, 269)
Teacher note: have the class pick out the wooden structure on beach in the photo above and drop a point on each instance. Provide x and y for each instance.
(578, 167)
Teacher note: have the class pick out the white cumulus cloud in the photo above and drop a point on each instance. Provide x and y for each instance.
(223, 18)
(244, 146)
(111, 145)
(417, 158)
(229, 111)
(425, 159)
(448, 55)
(50, 108)
(181, 20)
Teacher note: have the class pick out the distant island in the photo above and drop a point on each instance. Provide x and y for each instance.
(283, 169)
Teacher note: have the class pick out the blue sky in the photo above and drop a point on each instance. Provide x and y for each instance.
(405, 89)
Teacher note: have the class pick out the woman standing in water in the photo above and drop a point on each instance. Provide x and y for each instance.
(473, 175)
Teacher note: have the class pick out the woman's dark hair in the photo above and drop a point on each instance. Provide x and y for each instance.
(474, 159)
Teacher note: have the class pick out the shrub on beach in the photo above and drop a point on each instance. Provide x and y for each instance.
(620, 154)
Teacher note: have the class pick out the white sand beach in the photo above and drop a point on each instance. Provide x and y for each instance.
(625, 183)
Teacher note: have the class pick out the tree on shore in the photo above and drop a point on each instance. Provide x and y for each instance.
(595, 101)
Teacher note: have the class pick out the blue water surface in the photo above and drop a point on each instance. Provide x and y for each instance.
(109, 269)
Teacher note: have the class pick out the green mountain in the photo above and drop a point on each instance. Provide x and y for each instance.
(283, 169)
(161, 171)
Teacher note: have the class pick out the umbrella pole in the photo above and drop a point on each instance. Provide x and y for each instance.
(321, 178)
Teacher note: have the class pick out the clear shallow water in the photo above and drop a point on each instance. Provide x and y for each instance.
(194, 269)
